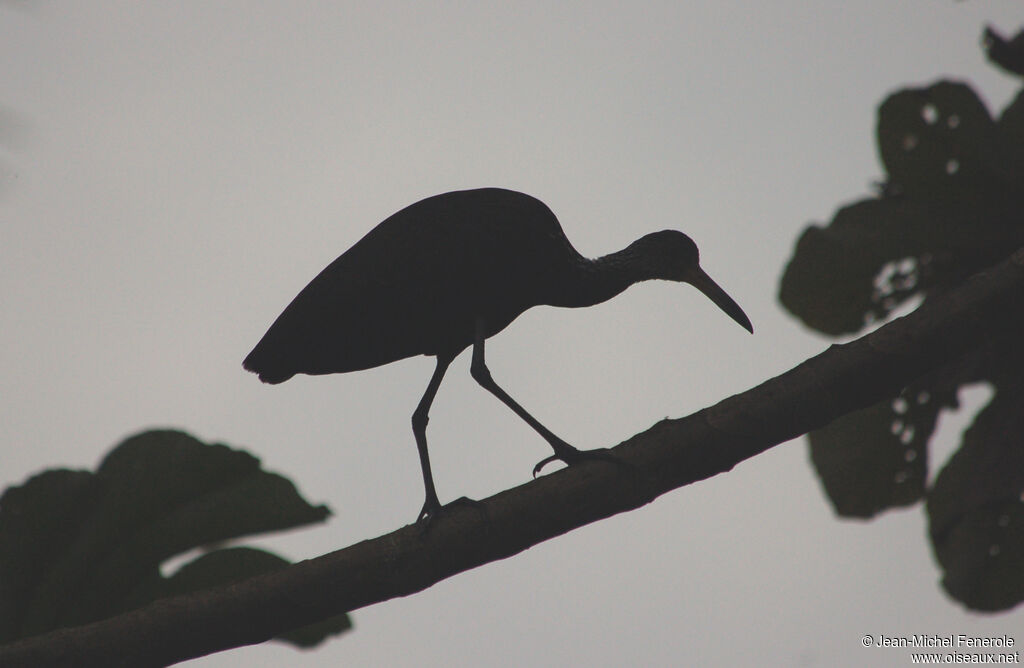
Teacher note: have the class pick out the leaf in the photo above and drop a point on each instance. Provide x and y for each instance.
(952, 204)
(231, 565)
(1011, 127)
(976, 509)
(830, 282)
(928, 135)
(38, 522)
(1008, 54)
(877, 458)
(75, 545)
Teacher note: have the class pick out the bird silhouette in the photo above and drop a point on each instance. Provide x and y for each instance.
(451, 271)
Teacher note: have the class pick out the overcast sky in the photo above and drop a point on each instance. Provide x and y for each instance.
(171, 174)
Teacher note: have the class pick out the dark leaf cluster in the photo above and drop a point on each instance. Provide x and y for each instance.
(79, 546)
(951, 204)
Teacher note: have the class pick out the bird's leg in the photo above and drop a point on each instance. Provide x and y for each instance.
(563, 451)
(419, 430)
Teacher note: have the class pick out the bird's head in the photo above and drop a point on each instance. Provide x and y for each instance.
(673, 256)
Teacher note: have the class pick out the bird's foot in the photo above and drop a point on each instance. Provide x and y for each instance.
(432, 509)
(571, 456)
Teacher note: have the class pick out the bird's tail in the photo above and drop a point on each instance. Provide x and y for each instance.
(265, 369)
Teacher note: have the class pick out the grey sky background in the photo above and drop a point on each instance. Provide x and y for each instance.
(171, 174)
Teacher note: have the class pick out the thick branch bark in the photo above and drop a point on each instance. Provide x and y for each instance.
(670, 454)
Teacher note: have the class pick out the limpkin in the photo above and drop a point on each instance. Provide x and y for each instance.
(451, 271)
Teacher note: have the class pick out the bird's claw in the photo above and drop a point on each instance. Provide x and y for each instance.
(429, 512)
(544, 462)
(432, 509)
(572, 456)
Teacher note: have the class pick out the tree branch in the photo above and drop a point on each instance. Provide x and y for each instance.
(670, 454)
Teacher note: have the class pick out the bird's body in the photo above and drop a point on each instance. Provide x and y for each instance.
(415, 284)
(449, 272)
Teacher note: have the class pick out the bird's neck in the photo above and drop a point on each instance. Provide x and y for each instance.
(598, 280)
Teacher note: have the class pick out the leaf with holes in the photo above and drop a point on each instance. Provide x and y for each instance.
(877, 458)
(841, 276)
(926, 135)
(951, 205)
(976, 509)
(75, 545)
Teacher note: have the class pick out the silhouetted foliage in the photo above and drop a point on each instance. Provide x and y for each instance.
(1007, 54)
(952, 204)
(78, 546)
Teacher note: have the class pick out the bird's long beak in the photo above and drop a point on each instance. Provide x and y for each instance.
(700, 280)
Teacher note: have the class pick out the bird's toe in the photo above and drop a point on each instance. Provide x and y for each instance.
(572, 456)
(433, 510)
(430, 511)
